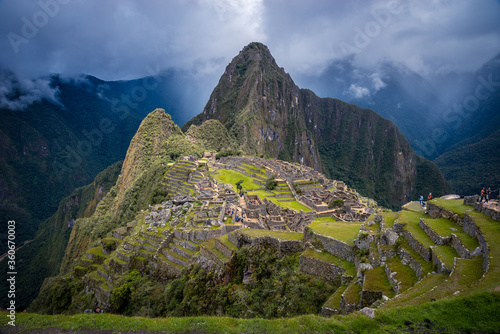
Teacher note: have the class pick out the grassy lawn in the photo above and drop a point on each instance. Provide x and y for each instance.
(334, 301)
(352, 294)
(442, 226)
(447, 316)
(464, 279)
(429, 282)
(454, 205)
(405, 274)
(343, 231)
(229, 176)
(376, 280)
(411, 219)
(426, 266)
(446, 254)
(491, 232)
(327, 257)
(294, 205)
(210, 246)
(273, 234)
(389, 217)
(224, 240)
(414, 206)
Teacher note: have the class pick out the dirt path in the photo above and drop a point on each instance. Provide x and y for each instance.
(18, 248)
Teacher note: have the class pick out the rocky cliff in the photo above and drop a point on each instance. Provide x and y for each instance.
(260, 105)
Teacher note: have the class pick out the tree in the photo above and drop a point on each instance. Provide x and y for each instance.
(271, 183)
(337, 203)
(238, 186)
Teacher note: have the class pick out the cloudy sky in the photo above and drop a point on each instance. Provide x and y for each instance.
(120, 39)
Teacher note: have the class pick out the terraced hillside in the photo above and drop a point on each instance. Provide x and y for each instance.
(218, 212)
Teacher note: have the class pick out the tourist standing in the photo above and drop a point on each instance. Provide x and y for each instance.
(421, 200)
(483, 195)
(429, 197)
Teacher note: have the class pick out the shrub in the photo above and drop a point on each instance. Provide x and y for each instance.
(271, 183)
(335, 204)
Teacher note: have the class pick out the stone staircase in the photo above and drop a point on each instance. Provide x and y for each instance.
(181, 178)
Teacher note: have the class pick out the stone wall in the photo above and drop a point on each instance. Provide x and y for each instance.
(460, 247)
(441, 268)
(282, 246)
(223, 249)
(407, 259)
(436, 238)
(392, 280)
(320, 268)
(370, 297)
(211, 256)
(490, 212)
(436, 211)
(347, 308)
(165, 270)
(198, 235)
(331, 245)
(416, 246)
(482, 241)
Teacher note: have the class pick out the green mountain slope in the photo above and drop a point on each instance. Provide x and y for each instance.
(269, 115)
(43, 255)
(474, 166)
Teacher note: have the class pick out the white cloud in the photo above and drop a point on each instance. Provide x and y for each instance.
(18, 93)
(358, 91)
(377, 81)
(119, 39)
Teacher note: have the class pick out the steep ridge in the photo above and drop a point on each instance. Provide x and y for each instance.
(42, 257)
(269, 115)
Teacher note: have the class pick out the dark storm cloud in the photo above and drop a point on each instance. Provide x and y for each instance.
(126, 39)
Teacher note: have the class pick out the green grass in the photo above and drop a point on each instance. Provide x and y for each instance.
(231, 177)
(352, 293)
(327, 257)
(491, 231)
(294, 205)
(426, 284)
(411, 219)
(414, 206)
(477, 313)
(224, 240)
(376, 280)
(334, 301)
(454, 205)
(210, 246)
(426, 266)
(442, 226)
(97, 251)
(283, 236)
(342, 231)
(405, 274)
(390, 217)
(446, 254)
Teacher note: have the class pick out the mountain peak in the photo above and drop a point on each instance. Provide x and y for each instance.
(256, 51)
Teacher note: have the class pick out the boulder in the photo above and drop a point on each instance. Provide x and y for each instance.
(389, 237)
(369, 312)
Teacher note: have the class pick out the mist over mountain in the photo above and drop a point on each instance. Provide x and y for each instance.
(59, 132)
(269, 115)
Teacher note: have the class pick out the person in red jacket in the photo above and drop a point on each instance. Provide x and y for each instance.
(429, 197)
